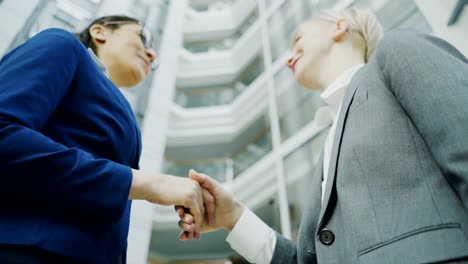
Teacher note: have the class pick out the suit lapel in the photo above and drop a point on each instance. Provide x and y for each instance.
(312, 210)
(316, 190)
(336, 147)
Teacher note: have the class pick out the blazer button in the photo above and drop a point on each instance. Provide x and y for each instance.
(326, 237)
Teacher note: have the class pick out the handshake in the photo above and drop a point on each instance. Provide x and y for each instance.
(209, 207)
(203, 205)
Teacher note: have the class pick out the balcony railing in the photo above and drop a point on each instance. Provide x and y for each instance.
(218, 5)
(229, 20)
(218, 123)
(223, 169)
(220, 95)
(248, 44)
(192, 98)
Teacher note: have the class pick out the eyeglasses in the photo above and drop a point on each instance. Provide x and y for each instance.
(145, 33)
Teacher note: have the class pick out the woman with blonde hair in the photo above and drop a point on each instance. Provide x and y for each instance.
(392, 183)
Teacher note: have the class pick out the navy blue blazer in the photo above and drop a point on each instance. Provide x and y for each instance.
(68, 141)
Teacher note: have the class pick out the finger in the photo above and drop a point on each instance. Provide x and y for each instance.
(180, 210)
(189, 235)
(199, 202)
(209, 185)
(183, 236)
(205, 181)
(210, 206)
(194, 206)
(187, 218)
(186, 226)
(202, 210)
(184, 214)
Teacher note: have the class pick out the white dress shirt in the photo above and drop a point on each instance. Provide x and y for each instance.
(251, 237)
(333, 96)
(99, 63)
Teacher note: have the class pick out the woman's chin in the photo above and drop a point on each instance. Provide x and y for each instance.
(305, 83)
(132, 81)
(299, 76)
(138, 76)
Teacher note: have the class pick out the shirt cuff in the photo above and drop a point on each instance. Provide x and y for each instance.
(252, 238)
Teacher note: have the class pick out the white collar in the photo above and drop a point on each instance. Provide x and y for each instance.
(335, 92)
(99, 63)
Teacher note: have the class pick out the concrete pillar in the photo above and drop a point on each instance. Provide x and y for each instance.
(154, 129)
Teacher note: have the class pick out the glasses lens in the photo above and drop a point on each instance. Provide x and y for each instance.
(146, 37)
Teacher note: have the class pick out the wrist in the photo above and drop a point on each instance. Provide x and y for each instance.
(237, 213)
(139, 189)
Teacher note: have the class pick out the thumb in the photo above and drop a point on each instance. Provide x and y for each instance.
(192, 173)
(205, 181)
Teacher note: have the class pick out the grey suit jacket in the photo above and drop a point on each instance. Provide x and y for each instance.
(397, 190)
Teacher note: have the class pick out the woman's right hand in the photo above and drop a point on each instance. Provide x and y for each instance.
(171, 190)
(227, 210)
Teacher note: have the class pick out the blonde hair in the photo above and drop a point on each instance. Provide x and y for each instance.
(361, 21)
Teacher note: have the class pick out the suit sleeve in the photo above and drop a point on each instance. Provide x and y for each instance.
(285, 251)
(34, 78)
(429, 78)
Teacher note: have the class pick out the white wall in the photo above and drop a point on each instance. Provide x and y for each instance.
(438, 13)
(13, 14)
(113, 7)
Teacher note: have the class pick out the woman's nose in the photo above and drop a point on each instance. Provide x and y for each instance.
(151, 53)
(289, 62)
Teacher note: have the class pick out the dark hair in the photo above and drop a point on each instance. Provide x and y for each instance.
(86, 38)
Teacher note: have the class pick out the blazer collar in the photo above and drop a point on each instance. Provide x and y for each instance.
(335, 92)
(347, 100)
(98, 62)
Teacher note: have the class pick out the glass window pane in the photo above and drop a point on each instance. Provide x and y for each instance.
(396, 14)
(214, 168)
(296, 104)
(269, 3)
(283, 23)
(223, 160)
(224, 93)
(221, 42)
(262, 198)
(256, 148)
(300, 166)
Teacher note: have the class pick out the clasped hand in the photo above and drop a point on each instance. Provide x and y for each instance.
(222, 211)
(202, 203)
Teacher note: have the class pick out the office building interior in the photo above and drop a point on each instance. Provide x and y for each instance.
(223, 102)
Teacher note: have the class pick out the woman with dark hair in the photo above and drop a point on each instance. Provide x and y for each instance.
(70, 146)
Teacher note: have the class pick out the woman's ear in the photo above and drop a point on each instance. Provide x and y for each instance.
(99, 33)
(341, 29)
